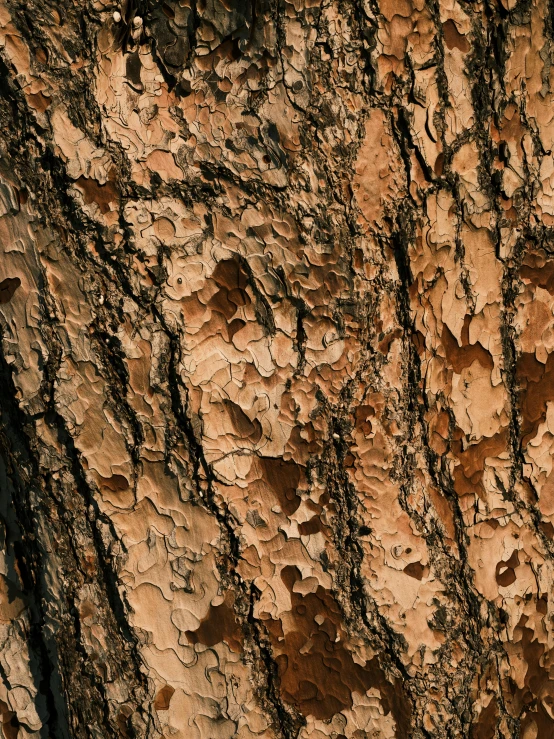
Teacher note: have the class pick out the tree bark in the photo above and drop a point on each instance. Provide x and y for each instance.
(277, 369)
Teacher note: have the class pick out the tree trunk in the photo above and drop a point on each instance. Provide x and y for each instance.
(277, 369)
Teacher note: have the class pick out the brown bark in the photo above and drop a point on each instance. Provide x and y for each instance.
(277, 375)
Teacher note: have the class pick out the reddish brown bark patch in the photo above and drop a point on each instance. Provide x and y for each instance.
(94, 192)
(313, 526)
(163, 698)
(115, 483)
(317, 672)
(460, 357)
(38, 101)
(415, 570)
(220, 625)
(232, 282)
(538, 271)
(537, 383)
(244, 427)
(229, 273)
(485, 725)
(506, 571)
(468, 475)
(283, 479)
(537, 683)
(453, 38)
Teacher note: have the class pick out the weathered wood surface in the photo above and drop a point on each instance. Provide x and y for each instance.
(277, 369)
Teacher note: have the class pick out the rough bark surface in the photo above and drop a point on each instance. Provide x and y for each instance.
(276, 369)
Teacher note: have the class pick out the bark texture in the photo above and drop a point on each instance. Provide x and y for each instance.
(276, 369)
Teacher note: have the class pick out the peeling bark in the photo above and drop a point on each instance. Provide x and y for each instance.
(276, 304)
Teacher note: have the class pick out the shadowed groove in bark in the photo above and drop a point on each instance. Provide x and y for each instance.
(347, 529)
(457, 576)
(203, 478)
(477, 69)
(288, 726)
(50, 375)
(38, 572)
(28, 552)
(512, 263)
(288, 721)
(105, 577)
(342, 492)
(109, 349)
(517, 476)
